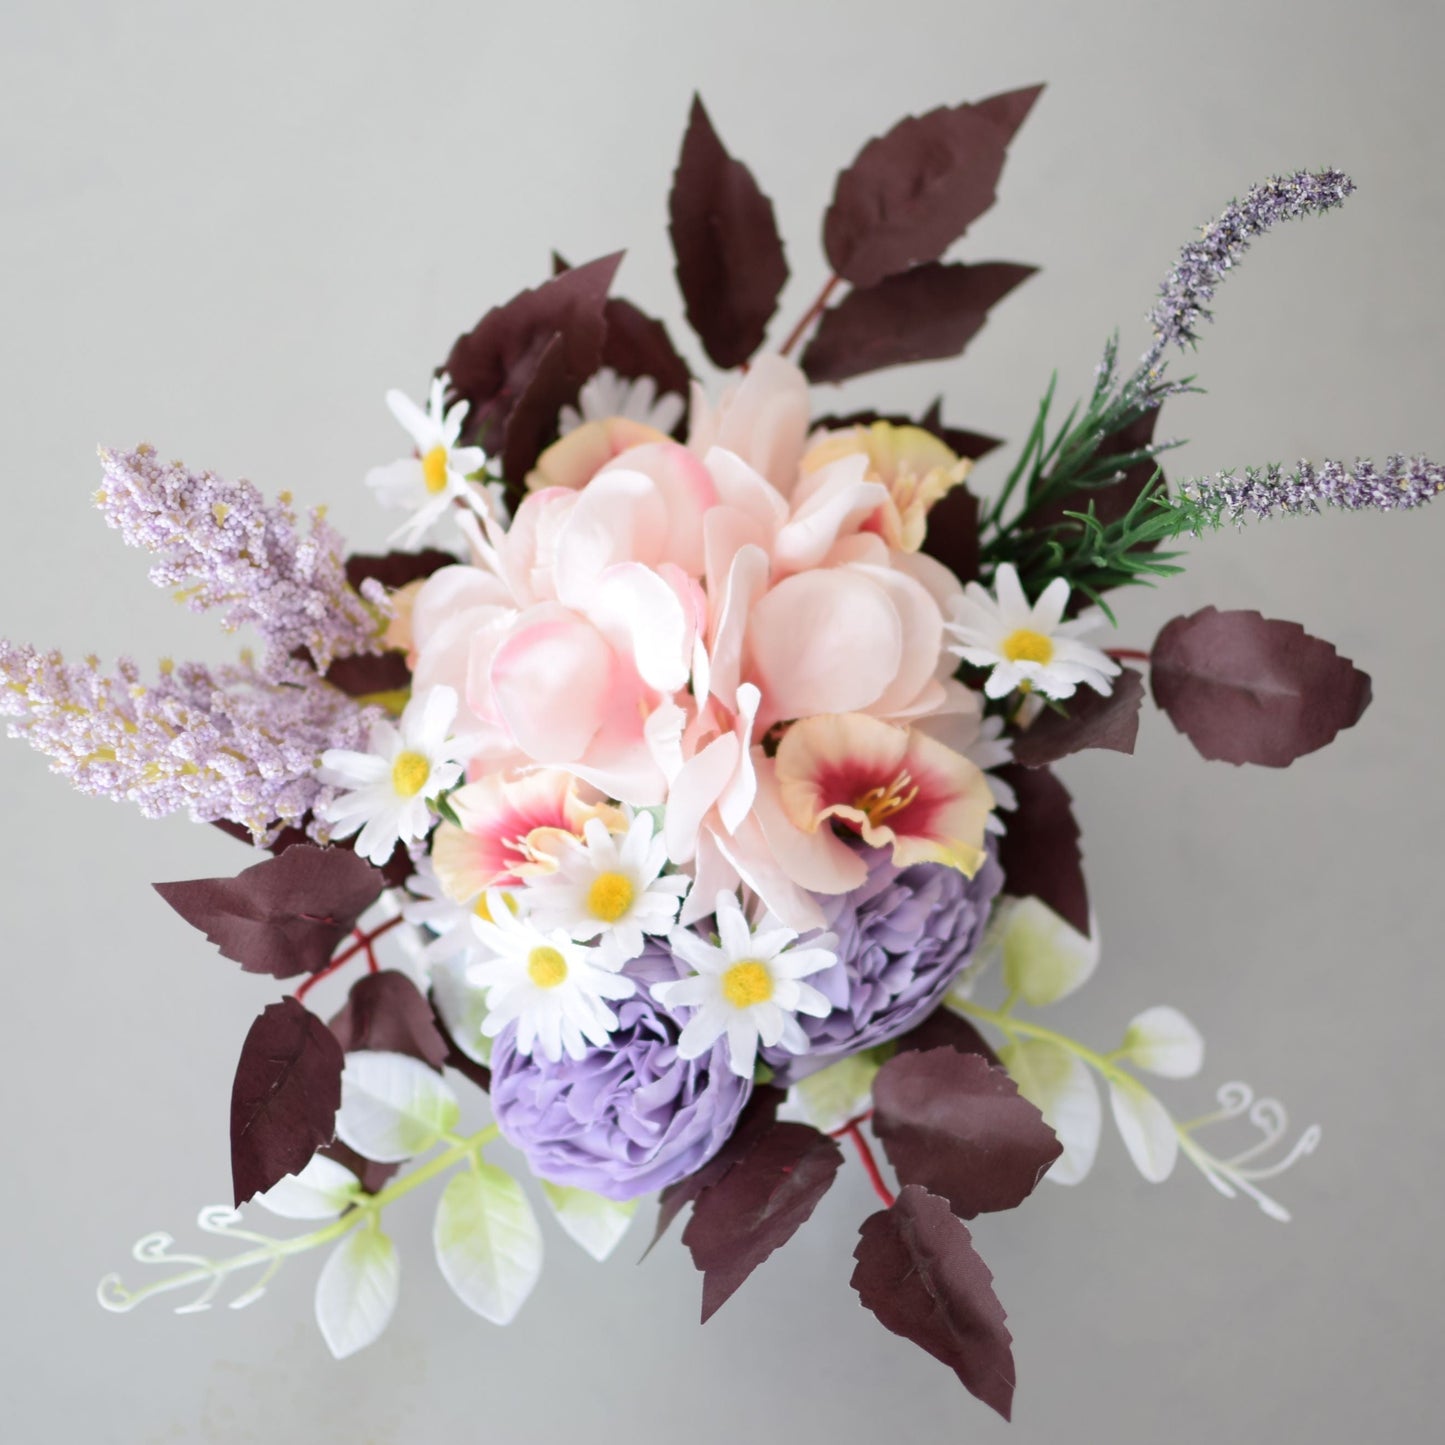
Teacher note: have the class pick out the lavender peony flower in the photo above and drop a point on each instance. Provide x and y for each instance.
(902, 939)
(627, 1119)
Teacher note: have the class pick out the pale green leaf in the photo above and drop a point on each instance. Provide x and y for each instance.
(1162, 1041)
(1059, 1085)
(1146, 1128)
(393, 1106)
(830, 1098)
(1044, 959)
(357, 1290)
(594, 1221)
(488, 1244)
(321, 1190)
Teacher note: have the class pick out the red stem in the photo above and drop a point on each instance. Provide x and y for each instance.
(1127, 654)
(811, 314)
(363, 945)
(875, 1177)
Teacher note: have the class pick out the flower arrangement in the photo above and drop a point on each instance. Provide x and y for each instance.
(685, 776)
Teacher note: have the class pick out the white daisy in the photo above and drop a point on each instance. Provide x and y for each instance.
(747, 987)
(609, 887)
(1029, 647)
(427, 484)
(391, 787)
(556, 990)
(607, 395)
(448, 922)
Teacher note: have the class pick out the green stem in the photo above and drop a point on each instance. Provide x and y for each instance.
(1015, 1029)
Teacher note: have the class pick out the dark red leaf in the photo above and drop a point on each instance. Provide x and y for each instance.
(921, 1276)
(638, 345)
(1247, 689)
(284, 916)
(464, 1064)
(525, 360)
(928, 313)
(286, 838)
(730, 263)
(756, 1119)
(1040, 852)
(910, 194)
(958, 1126)
(1092, 721)
(373, 1175)
(945, 1029)
(396, 569)
(386, 1011)
(285, 1096)
(953, 533)
(757, 1206)
(372, 673)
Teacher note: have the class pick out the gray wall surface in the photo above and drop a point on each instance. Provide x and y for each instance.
(228, 230)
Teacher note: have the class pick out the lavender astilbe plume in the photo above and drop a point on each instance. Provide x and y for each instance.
(1204, 263)
(226, 547)
(1265, 491)
(223, 743)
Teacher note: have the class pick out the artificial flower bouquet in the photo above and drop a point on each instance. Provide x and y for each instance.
(679, 778)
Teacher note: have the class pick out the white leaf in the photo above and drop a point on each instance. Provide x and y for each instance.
(1162, 1041)
(392, 1106)
(461, 1006)
(1146, 1128)
(594, 1221)
(1060, 1086)
(322, 1190)
(357, 1291)
(830, 1098)
(1044, 958)
(488, 1244)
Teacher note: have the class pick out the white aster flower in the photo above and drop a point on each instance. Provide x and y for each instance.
(555, 989)
(391, 787)
(609, 887)
(747, 987)
(1031, 647)
(448, 922)
(607, 395)
(427, 484)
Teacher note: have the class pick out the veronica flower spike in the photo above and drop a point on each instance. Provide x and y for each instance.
(747, 986)
(429, 483)
(1028, 646)
(555, 990)
(390, 788)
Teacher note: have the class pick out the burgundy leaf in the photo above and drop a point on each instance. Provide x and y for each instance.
(288, 837)
(285, 1096)
(921, 1276)
(730, 263)
(756, 1119)
(464, 1064)
(757, 1207)
(945, 1029)
(959, 1127)
(1092, 721)
(373, 1175)
(638, 345)
(910, 194)
(1247, 689)
(284, 916)
(1040, 852)
(386, 1011)
(525, 360)
(370, 673)
(953, 533)
(396, 569)
(928, 313)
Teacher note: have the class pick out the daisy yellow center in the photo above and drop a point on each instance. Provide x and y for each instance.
(881, 804)
(409, 773)
(546, 967)
(610, 896)
(1026, 645)
(747, 983)
(483, 910)
(434, 469)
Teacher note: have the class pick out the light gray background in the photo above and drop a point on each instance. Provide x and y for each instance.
(229, 229)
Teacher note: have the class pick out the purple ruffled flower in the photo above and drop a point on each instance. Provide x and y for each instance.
(902, 939)
(624, 1120)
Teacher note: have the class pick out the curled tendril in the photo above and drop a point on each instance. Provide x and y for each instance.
(1240, 1173)
(206, 1276)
